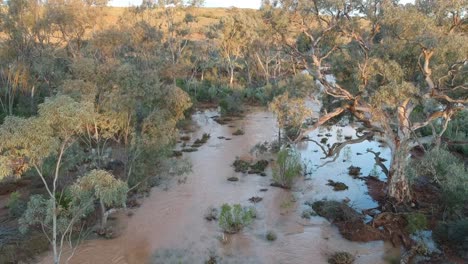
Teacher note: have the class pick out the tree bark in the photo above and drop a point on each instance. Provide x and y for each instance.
(103, 216)
(398, 185)
(231, 73)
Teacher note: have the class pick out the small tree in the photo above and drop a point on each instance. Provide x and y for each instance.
(102, 186)
(447, 172)
(234, 218)
(25, 143)
(291, 113)
(58, 217)
(288, 167)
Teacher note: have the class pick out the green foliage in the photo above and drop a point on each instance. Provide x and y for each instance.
(288, 167)
(15, 205)
(447, 171)
(271, 236)
(454, 233)
(241, 165)
(301, 86)
(27, 142)
(231, 105)
(39, 212)
(233, 219)
(341, 258)
(303, 43)
(457, 130)
(100, 185)
(290, 113)
(416, 222)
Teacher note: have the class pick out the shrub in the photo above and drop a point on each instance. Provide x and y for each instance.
(234, 218)
(341, 258)
(455, 233)
(447, 171)
(15, 205)
(337, 186)
(288, 167)
(271, 236)
(238, 132)
(241, 165)
(231, 105)
(457, 130)
(416, 222)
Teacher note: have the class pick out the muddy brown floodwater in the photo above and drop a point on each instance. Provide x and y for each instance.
(171, 221)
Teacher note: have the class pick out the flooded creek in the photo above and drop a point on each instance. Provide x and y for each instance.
(171, 220)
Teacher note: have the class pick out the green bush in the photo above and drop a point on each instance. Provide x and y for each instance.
(288, 167)
(231, 104)
(445, 170)
(455, 233)
(457, 130)
(15, 205)
(233, 219)
(416, 222)
(341, 258)
(271, 236)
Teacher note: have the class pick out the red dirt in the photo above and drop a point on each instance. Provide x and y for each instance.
(359, 231)
(377, 189)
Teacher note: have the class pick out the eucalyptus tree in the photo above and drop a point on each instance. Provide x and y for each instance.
(232, 34)
(27, 142)
(176, 20)
(291, 113)
(26, 44)
(388, 60)
(101, 186)
(73, 20)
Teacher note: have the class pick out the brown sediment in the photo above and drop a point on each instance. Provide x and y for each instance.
(377, 189)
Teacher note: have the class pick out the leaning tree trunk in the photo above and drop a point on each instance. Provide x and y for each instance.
(398, 185)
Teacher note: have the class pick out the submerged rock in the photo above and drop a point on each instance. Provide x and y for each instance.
(211, 214)
(222, 120)
(238, 132)
(185, 138)
(275, 184)
(255, 199)
(233, 179)
(189, 149)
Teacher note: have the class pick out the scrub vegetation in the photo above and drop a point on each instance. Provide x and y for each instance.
(96, 105)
